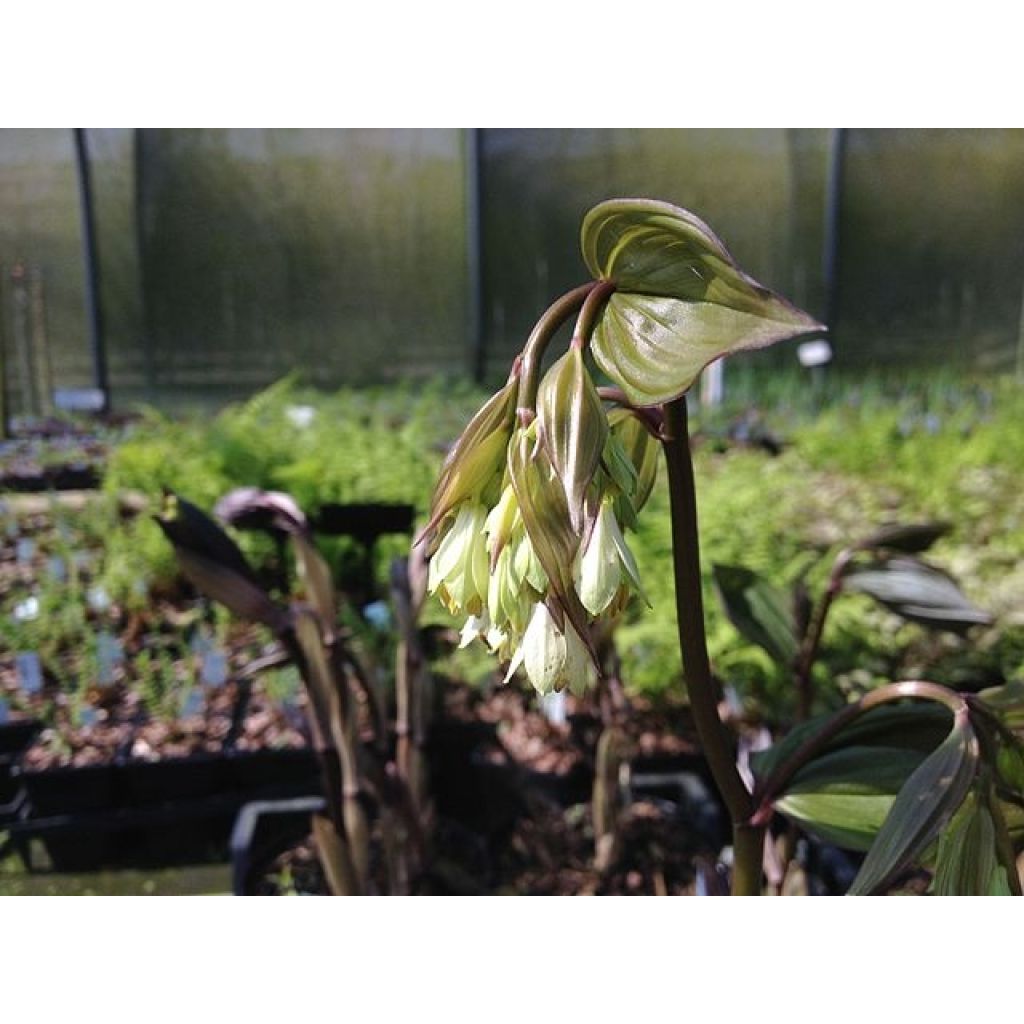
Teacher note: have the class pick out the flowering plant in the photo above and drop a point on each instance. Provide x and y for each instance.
(527, 540)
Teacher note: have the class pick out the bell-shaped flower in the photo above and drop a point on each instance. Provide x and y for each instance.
(459, 569)
(607, 570)
(553, 658)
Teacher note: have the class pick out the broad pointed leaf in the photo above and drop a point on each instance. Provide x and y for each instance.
(844, 796)
(911, 538)
(237, 593)
(680, 301)
(188, 527)
(573, 427)
(759, 610)
(917, 591)
(250, 508)
(924, 805)
(966, 863)
(913, 727)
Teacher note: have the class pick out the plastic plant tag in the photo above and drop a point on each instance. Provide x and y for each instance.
(301, 416)
(202, 643)
(214, 668)
(192, 705)
(29, 671)
(57, 569)
(378, 614)
(814, 353)
(25, 550)
(552, 705)
(27, 610)
(109, 655)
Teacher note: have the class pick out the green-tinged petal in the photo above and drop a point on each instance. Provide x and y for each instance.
(501, 521)
(577, 663)
(475, 626)
(625, 556)
(459, 567)
(641, 449)
(544, 651)
(600, 569)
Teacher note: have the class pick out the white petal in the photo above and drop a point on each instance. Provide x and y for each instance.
(543, 651)
(600, 573)
(577, 662)
(476, 625)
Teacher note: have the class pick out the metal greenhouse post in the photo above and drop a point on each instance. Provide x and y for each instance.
(93, 308)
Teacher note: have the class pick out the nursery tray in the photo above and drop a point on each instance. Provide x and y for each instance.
(135, 813)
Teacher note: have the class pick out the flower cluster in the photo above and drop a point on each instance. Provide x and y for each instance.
(527, 529)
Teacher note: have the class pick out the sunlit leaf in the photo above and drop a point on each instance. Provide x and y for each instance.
(573, 427)
(680, 301)
(966, 863)
(759, 610)
(924, 805)
(918, 592)
(844, 796)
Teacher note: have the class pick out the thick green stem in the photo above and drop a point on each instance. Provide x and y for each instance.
(716, 740)
(747, 859)
(540, 337)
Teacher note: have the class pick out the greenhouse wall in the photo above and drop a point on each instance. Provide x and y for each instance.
(228, 258)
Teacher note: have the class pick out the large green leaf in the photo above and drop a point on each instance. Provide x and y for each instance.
(918, 726)
(918, 592)
(844, 796)
(759, 610)
(573, 427)
(966, 863)
(680, 300)
(924, 805)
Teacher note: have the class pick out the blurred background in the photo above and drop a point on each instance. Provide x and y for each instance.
(225, 258)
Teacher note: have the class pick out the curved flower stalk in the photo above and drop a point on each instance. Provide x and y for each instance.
(534, 570)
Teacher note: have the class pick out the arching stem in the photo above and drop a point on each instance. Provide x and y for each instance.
(540, 337)
(716, 740)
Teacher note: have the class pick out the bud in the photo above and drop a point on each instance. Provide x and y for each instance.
(476, 463)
